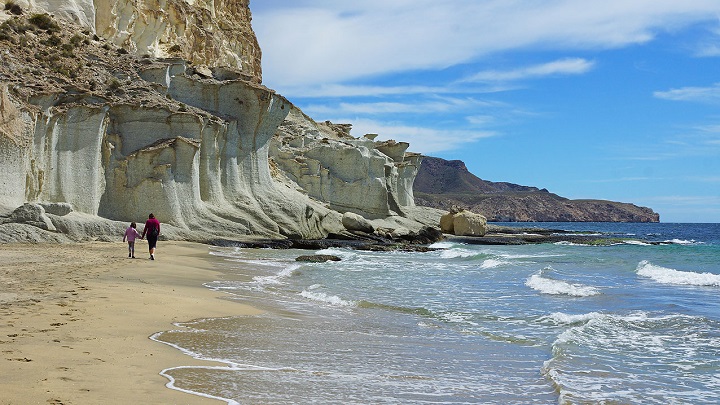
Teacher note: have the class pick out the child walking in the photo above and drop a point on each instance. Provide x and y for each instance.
(131, 234)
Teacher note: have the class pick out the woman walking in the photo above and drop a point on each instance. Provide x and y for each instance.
(152, 230)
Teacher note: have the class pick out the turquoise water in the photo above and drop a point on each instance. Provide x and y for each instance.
(631, 323)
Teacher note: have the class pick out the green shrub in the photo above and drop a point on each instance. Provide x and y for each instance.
(53, 40)
(15, 24)
(67, 50)
(44, 22)
(114, 84)
(13, 8)
(76, 39)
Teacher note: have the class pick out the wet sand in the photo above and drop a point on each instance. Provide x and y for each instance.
(75, 320)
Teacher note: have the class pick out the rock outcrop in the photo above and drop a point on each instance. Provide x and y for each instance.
(370, 178)
(446, 183)
(97, 129)
(461, 222)
(204, 32)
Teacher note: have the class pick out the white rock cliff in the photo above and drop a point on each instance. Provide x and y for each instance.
(204, 32)
(97, 119)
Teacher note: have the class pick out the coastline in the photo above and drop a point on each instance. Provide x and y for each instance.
(77, 320)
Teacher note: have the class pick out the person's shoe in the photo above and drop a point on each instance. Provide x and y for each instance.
(129, 255)
(133, 257)
(152, 257)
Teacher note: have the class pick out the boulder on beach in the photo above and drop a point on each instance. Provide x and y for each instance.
(463, 223)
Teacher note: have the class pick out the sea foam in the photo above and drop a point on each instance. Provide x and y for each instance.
(492, 263)
(665, 275)
(630, 345)
(333, 300)
(560, 318)
(558, 287)
(457, 252)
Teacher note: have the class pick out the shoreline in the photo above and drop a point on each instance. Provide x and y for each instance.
(77, 320)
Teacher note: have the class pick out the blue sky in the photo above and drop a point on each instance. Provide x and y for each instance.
(615, 100)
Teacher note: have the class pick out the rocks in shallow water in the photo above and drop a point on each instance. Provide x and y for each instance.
(317, 258)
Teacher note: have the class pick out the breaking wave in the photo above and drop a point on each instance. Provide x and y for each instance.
(665, 275)
(545, 285)
(598, 359)
(322, 297)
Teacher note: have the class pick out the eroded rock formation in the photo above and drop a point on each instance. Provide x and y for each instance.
(103, 132)
(358, 175)
(461, 222)
(204, 32)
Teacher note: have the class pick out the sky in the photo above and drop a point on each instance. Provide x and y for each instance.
(616, 99)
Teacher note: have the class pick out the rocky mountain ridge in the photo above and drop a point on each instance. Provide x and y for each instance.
(444, 183)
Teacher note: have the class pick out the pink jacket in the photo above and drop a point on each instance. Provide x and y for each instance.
(131, 234)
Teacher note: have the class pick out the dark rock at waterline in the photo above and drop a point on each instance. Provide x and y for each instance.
(317, 258)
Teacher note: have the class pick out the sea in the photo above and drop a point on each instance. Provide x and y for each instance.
(555, 323)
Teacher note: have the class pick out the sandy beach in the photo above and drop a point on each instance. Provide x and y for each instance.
(76, 320)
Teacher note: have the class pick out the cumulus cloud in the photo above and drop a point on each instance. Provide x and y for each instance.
(567, 66)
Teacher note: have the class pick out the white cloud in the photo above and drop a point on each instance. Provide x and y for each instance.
(422, 139)
(330, 90)
(567, 66)
(708, 50)
(409, 106)
(321, 41)
(481, 120)
(698, 94)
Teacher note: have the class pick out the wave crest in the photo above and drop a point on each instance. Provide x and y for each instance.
(558, 287)
(333, 300)
(664, 275)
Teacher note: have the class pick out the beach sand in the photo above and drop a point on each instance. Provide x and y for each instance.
(75, 321)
